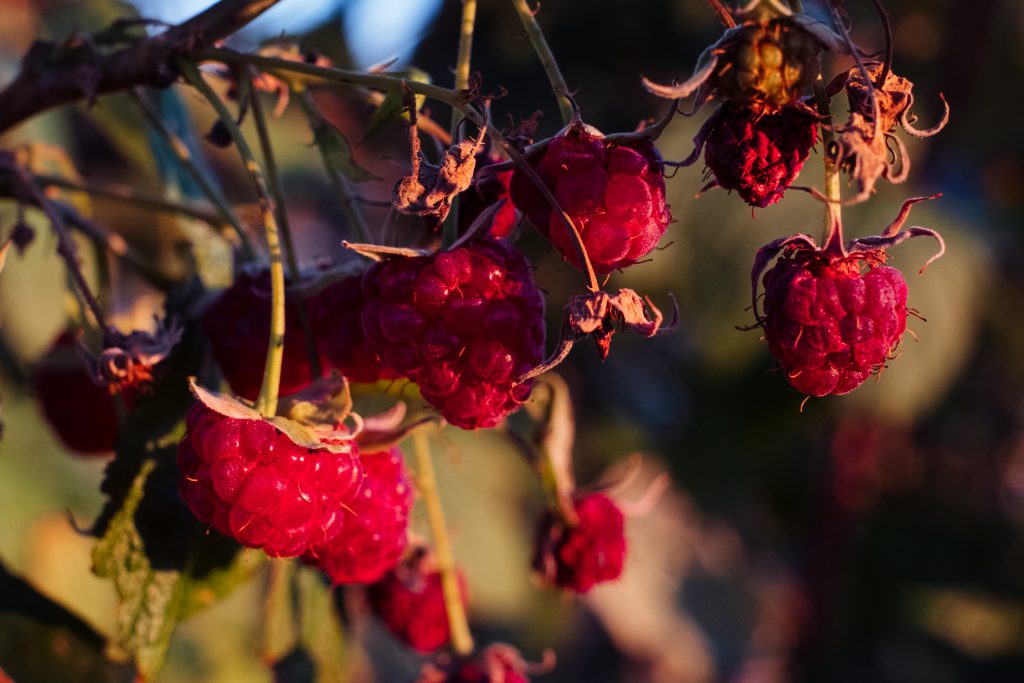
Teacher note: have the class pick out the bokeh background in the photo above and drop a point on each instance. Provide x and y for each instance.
(877, 536)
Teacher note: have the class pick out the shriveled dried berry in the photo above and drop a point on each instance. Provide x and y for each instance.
(375, 526)
(410, 602)
(251, 482)
(759, 156)
(463, 324)
(238, 323)
(829, 323)
(81, 411)
(613, 192)
(592, 551)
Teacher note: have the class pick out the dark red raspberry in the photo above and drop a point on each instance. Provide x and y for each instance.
(336, 313)
(410, 602)
(614, 193)
(376, 524)
(81, 411)
(251, 482)
(238, 325)
(481, 195)
(497, 664)
(579, 557)
(759, 156)
(829, 323)
(462, 324)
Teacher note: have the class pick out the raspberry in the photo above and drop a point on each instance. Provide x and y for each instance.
(767, 65)
(81, 412)
(462, 324)
(614, 193)
(497, 664)
(829, 324)
(410, 602)
(375, 524)
(579, 557)
(481, 195)
(238, 325)
(251, 482)
(759, 156)
(335, 317)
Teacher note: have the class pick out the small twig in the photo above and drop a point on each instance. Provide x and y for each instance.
(266, 402)
(450, 229)
(723, 14)
(184, 156)
(883, 17)
(547, 58)
(426, 481)
(281, 211)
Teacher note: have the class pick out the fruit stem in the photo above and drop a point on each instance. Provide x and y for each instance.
(723, 15)
(450, 229)
(65, 247)
(184, 156)
(277, 191)
(127, 195)
(426, 483)
(266, 402)
(343, 186)
(276, 600)
(547, 58)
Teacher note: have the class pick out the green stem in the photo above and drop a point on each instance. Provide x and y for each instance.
(547, 58)
(450, 230)
(277, 190)
(126, 194)
(266, 402)
(302, 73)
(184, 156)
(461, 638)
(343, 186)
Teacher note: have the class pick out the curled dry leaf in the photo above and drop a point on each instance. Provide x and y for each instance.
(600, 315)
(126, 363)
(428, 190)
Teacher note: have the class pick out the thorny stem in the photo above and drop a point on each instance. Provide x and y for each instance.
(302, 73)
(184, 156)
(349, 200)
(723, 14)
(65, 247)
(128, 195)
(449, 232)
(426, 481)
(547, 58)
(270, 163)
(266, 402)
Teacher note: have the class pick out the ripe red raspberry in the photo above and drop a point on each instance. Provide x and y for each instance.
(238, 325)
(410, 602)
(81, 412)
(579, 557)
(759, 156)
(481, 195)
(251, 482)
(376, 524)
(830, 324)
(335, 314)
(498, 663)
(462, 324)
(614, 193)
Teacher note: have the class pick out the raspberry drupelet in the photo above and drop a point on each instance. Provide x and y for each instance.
(375, 526)
(251, 482)
(614, 193)
(462, 324)
(829, 323)
(579, 557)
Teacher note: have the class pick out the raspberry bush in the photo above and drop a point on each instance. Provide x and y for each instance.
(425, 320)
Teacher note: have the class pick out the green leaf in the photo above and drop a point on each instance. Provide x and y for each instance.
(334, 146)
(390, 107)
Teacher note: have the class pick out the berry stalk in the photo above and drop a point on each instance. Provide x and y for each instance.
(547, 58)
(281, 212)
(266, 402)
(184, 156)
(426, 483)
(450, 230)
